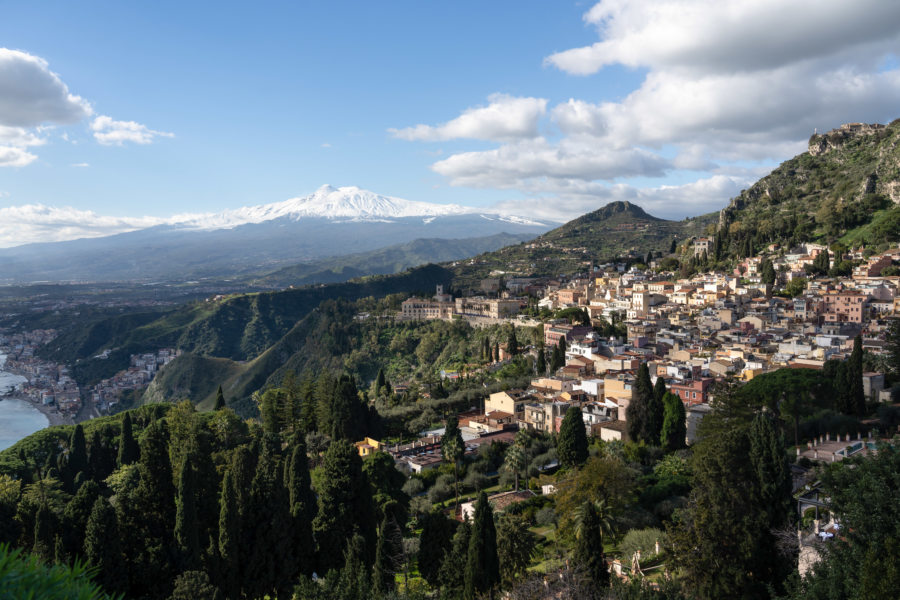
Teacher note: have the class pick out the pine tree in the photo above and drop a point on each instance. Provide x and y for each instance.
(220, 399)
(303, 507)
(103, 547)
(571, 444)
(638, 417)
(589, 556)
(674, 428)
(186, 530)
(128, 448)
(453, 449)
(857, 396)
(482, 565)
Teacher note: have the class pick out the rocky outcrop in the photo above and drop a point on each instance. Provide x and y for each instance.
(836, 138)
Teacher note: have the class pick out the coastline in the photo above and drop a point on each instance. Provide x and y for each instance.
(53, 416)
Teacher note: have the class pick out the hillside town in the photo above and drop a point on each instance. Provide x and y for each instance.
(691, 332)
(52, 387)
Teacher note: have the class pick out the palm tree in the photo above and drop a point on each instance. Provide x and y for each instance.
(606, 521)
(515, 461)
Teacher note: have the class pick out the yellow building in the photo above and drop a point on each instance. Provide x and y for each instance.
(368, 446)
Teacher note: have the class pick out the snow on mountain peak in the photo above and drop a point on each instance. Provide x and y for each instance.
(328, 202)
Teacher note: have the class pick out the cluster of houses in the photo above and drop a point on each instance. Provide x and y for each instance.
(139, 374)
(49, 383)
(691, 333)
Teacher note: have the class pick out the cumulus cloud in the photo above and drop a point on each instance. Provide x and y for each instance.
(34, 99)
(728, 84)
(727, 35)
(512, 165)
(31, 94)
(505, 118)
(14, 142)
(110, 132)
(38, 223)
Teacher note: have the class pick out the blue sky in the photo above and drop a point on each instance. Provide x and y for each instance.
(201, 107)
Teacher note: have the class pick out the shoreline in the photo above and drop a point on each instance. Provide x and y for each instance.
(53, 416)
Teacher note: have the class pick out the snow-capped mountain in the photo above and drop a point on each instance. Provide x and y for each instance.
(329, 222)
(328, 202)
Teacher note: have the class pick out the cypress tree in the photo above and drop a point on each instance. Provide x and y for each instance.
(572, 444)
(386, 553)
(353, 582)
(674, 429)
(857, 396)
(186, 530)
(303, 507)
(659, 388)
(43, 533)
(220, 399)
(344, 505)
(589, 555)
(512, 344)
(76, 514)
(482, 565)
(770, 464)
(638, 415)
(453, 449)
(673, 246)
(656, 416)
(229, 538)
(128, 448)
(78, 458)
(151, 512)
(379, 382)
(269, 562)
(435, 541)
(103, 548)
(541, 363)
(456, 560)
(496, 351)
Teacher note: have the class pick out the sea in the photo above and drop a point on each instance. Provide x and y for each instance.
(18, 418)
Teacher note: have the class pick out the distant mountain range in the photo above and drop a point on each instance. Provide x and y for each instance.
(330, 222)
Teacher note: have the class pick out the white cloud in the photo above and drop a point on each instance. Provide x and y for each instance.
(14, 142)
(31, 94)
(38, 223)
(505, 118)
(727, 35)
(110, 132)
(727, 85)
(81, 165)
(11, 156)
(512, 165)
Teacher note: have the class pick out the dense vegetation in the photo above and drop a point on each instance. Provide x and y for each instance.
(843, 193)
